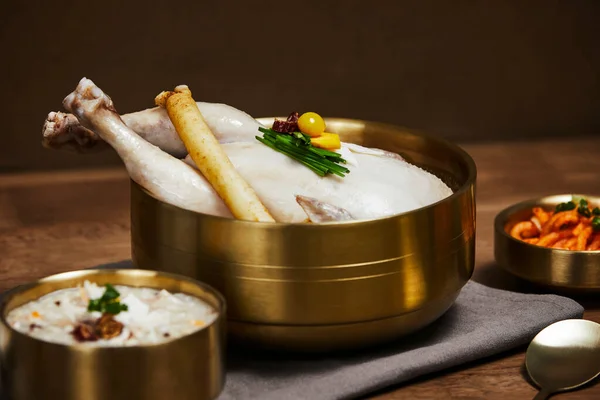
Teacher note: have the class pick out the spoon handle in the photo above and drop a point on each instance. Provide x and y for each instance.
(542, 395)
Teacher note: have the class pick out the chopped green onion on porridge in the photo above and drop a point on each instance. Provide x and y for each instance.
(111, 316)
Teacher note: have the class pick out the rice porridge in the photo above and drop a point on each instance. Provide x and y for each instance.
(111, 316)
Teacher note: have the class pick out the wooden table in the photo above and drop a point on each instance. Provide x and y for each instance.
(58, 221)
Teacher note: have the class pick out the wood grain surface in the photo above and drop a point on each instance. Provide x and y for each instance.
(58, 221)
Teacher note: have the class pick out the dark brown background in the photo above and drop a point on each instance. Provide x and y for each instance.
(464, 70)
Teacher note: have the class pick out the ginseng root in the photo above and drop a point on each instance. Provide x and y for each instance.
(209, 156)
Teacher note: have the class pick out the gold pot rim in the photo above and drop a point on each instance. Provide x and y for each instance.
(504, 216)
(452, 147)
(8, 295)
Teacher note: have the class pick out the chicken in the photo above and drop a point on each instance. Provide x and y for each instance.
(379, 184)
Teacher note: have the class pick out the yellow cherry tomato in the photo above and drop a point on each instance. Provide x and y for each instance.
(311, 124)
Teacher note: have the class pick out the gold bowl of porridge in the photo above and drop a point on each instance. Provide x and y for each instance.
(113, 334)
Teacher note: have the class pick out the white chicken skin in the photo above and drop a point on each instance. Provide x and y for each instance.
(379, 183)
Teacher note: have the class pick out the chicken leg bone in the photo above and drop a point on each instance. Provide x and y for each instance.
(63, 131)
(166, 177)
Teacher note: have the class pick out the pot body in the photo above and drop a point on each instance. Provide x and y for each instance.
(318, 287)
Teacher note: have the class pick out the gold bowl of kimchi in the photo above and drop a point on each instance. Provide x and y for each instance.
(553, 241)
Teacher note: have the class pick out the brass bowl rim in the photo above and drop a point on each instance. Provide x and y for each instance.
(503, 217)
(83, 273)
(466, 158)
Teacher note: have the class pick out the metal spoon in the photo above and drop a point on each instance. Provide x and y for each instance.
(563, 356)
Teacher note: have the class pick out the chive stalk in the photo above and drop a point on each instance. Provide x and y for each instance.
(298, 147)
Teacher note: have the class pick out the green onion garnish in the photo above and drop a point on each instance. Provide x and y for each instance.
(297, 145)
(108, 303)
(583, 208)
(596, 224)
(565, 206)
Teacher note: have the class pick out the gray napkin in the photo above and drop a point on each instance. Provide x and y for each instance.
(483, 322)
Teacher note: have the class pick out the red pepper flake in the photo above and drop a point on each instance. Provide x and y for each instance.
(32, 327)
(288, 126)
(84, 332)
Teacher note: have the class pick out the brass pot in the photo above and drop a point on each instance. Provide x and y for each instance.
(190, 367)
(566, 270)
(332, 286)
